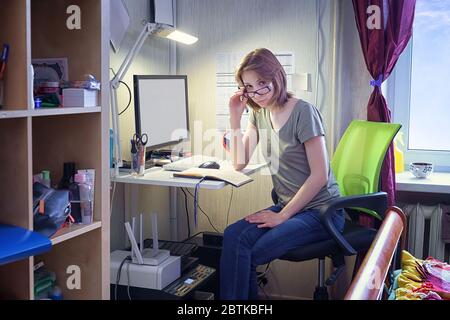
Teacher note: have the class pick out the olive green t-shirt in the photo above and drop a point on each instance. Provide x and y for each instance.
(285, 152)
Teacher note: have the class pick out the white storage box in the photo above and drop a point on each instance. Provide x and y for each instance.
(74, 97)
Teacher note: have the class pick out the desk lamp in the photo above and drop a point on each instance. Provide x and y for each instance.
(158, 29)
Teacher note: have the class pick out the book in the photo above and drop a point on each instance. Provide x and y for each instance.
(230, 176)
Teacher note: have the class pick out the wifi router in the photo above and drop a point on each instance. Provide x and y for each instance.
(151, 257)
(150, 268)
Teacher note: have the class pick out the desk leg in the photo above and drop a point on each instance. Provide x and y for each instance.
(173, 214)
(131, 204)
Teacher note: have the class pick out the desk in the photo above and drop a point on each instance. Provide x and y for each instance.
(156, 176)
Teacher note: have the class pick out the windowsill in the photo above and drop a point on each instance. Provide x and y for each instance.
(436, 182)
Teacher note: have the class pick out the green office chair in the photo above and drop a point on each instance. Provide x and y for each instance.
(356, 165)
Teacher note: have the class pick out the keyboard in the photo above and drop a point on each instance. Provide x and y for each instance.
(175, 248)
(187, 163)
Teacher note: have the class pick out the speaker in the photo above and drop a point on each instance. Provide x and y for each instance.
(162, 11)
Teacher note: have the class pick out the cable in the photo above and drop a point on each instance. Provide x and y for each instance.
(129, 100)
(128, 277)
(229, 207)
(264, 291)
(209, 220)
(187, 239)
(320, 57)
(265, 271)
(316, 98)
(197, 186)
(187, 212)
(129, 92)
(119, 272)
(215, 229)
(112, 199)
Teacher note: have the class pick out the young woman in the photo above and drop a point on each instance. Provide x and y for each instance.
(302, 177)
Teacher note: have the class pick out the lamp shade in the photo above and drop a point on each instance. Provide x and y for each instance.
(182, 37)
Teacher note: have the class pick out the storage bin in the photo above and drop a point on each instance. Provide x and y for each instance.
(74, 97)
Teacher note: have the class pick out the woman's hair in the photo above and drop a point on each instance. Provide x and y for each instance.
(266, 65)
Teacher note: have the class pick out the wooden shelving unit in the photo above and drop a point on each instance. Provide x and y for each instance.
(43, 139)
(10, 114)
(73, 231)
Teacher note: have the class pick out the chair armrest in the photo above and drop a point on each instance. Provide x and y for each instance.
(377, 262)
(374, 201)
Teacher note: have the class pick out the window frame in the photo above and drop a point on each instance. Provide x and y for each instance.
(398, 93)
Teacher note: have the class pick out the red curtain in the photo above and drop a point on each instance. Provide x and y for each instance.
(385, 28)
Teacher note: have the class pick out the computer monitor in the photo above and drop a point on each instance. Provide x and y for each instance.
(161, 109)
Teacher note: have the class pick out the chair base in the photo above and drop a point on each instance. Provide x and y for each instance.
(335, 275)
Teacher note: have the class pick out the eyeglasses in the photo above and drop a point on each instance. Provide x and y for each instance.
(260, 92)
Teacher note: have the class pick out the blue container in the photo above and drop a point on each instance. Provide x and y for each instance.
(37, 103)
(56, 294)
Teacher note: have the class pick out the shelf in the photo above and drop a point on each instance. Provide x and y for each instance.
(33, 140)
(84, 251)
(73, 231)
(11, 114)
(436, 182)
(62, 111)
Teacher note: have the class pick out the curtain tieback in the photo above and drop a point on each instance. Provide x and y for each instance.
(378, 82)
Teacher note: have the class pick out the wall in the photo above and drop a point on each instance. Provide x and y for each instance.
(352, 80)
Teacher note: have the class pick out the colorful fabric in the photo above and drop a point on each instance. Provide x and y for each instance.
(427, 279)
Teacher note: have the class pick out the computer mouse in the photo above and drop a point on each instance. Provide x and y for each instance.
(209, 165)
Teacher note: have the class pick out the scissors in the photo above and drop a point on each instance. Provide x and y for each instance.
(140, 140)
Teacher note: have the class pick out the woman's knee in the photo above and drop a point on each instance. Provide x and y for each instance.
(240, 233)
(235, 229)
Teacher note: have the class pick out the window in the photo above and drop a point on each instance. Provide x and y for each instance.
(418, 91)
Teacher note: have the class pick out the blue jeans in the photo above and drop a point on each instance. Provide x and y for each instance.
(245, 246)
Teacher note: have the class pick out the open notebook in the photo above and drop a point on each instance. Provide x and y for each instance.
(230, 176)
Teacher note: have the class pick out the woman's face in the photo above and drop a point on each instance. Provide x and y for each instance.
(253, 82)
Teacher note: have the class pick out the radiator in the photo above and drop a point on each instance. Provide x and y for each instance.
(425, 231)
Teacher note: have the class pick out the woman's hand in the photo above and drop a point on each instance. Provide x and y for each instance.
(237, 105)
(266, 218)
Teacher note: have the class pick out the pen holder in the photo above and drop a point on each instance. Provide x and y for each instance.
(141, 160)
(135, 163)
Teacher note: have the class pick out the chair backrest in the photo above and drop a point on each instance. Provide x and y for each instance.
(359, 156)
